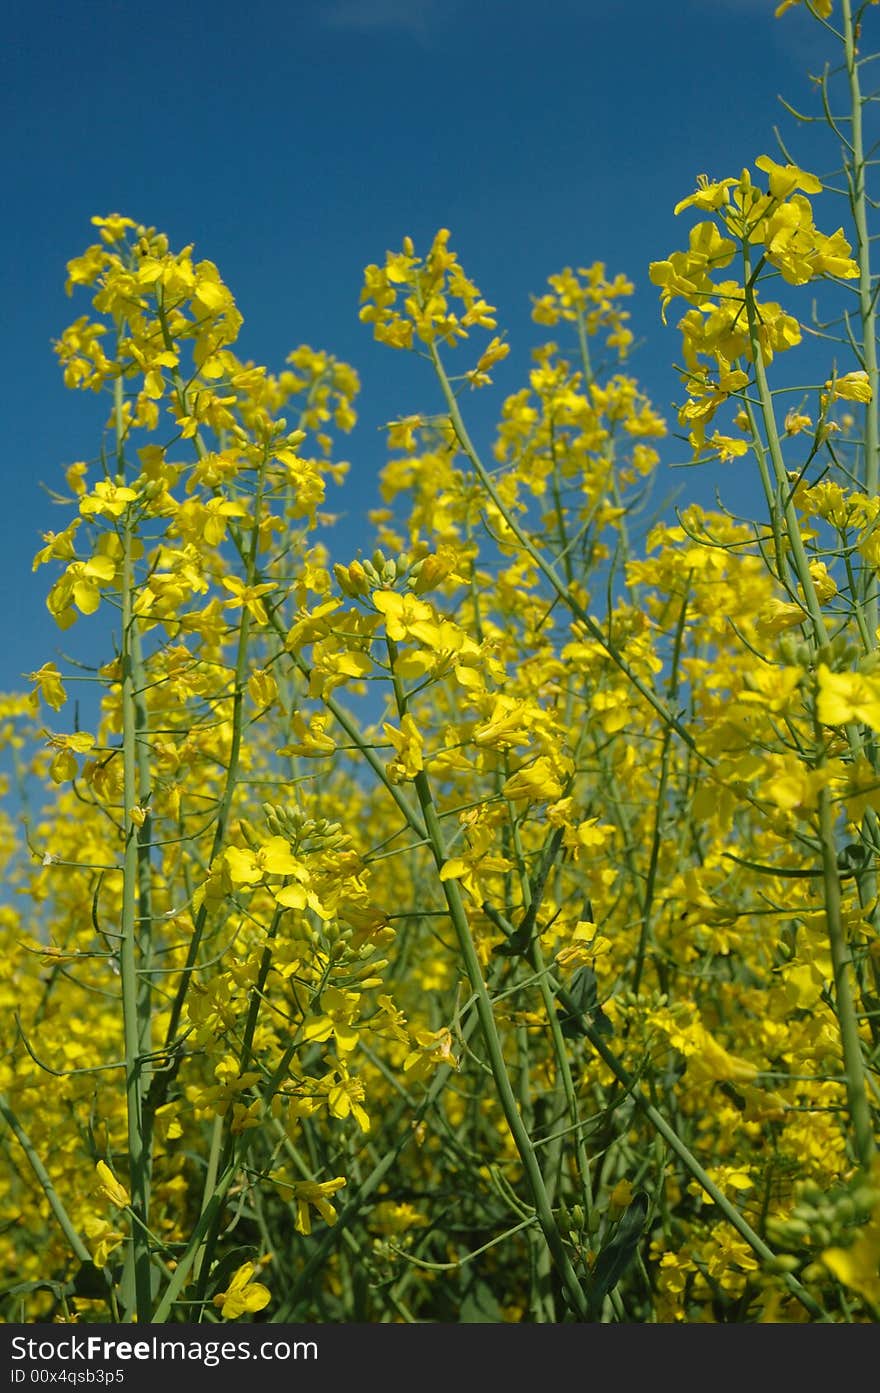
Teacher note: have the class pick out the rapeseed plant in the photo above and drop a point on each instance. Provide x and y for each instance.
(551, 991)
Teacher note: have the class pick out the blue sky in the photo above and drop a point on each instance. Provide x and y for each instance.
(293, 143)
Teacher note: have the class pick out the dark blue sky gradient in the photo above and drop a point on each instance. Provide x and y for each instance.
(293, 143)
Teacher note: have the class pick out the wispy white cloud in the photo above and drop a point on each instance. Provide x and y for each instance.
(414, 17)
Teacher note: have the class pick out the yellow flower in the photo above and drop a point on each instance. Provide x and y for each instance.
(509, 724)
(783, 179)
(103, 1238)
(64, 765)
(407, 742)
(312, 740)
(51, 687)
(796, 421)
(535, 783)
(316, 1194)
(823, 8)
(262, 687)
(247, 867)
(401, 612)
(847, 696)
(107, 500)
(345, 1096)
(248, 596)
(338, 1009)
(778, 615)
(727, 447)
(110, 1188)
(853, 386)
(709, 196)
(243, 1296)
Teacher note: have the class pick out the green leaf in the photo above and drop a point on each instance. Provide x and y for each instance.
(618, 1252)
(584, 991)
(582, 1000)
(90, 1281)
(601, 1024)
(479, 1306)
(853, 858)
(58, 1289)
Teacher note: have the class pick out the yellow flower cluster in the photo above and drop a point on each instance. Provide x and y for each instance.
(767, 225)
(493, 892)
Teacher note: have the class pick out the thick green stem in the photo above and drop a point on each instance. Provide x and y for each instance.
(144, 937)
(867, 302)
(129, 963)
(795, 541)
(857, 1098)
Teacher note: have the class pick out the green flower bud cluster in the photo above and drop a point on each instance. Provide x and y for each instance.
(572, 1221)
(795, 651)
(304, 833)
(840, 653)
(377, 573)
(822, 1219)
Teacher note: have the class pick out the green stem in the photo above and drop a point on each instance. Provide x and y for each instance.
(144, 883)
(867, 310)
(129, 964)
(77, 1245)
(799, 558)
(857, 1098)
(210, 1184)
